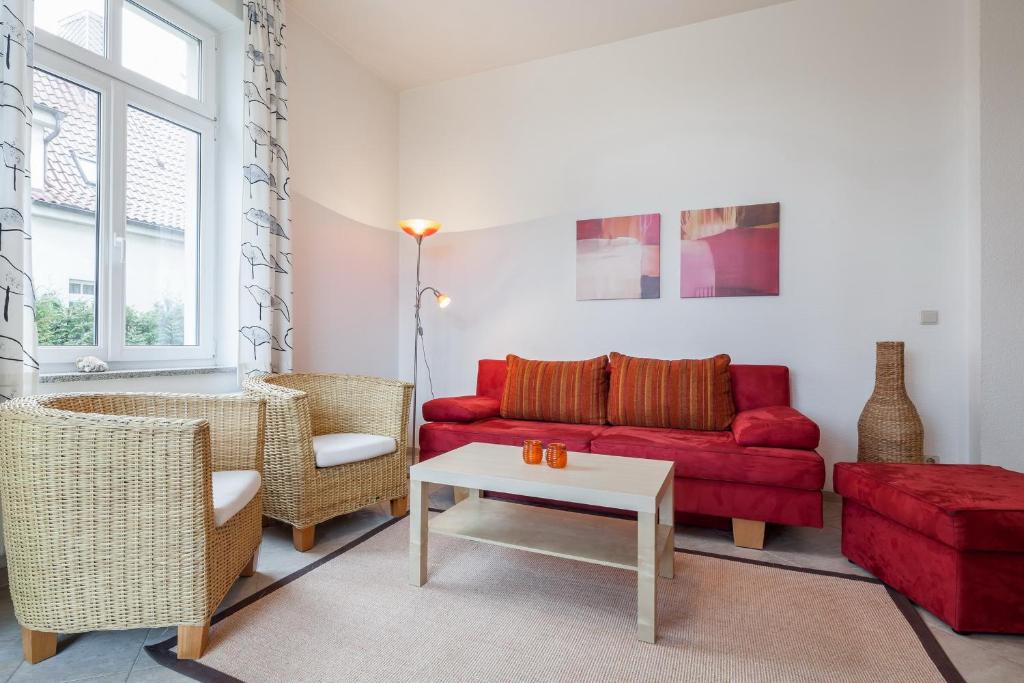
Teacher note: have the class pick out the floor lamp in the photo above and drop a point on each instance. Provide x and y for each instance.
(419, 228)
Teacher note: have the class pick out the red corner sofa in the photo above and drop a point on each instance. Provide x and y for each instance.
(764, 469)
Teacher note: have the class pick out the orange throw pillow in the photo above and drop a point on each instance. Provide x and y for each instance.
(682, 394)
(556, 391)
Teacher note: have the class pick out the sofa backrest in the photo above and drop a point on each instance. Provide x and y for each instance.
(758, 386)
(490, 378)
(753, 386)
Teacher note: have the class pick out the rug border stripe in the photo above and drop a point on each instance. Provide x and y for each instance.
(931, 645)
(161, 652)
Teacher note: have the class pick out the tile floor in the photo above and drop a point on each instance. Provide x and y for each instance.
(118, 655)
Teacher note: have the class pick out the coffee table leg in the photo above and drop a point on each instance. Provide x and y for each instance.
(647, 581)
(417, 533)
(667, 517)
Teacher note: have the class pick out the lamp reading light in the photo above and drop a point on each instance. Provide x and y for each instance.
(443, 300)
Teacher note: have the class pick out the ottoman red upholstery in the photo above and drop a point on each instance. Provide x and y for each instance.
(950, 537)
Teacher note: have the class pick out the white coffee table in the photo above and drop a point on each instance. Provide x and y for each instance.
(641, 486)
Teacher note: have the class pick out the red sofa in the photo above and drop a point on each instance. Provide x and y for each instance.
(765, 469)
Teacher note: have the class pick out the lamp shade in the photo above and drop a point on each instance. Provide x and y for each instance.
(443, 300)
(419, 227)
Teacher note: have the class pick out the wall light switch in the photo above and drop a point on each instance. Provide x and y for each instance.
(929, 317)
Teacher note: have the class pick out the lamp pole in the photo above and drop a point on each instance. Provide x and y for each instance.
(419, 228)
(416, 343)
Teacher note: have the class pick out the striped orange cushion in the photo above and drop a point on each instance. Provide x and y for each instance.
(556, 391)
(682, 394)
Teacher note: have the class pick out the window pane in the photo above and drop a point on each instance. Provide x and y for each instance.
(159, 50)
(80, 21)
(64, 211)
(162, 233)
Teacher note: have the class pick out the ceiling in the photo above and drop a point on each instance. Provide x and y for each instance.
(410, 43)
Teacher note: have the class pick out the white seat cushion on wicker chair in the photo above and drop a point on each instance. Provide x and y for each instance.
(338, 449)
(232, 491)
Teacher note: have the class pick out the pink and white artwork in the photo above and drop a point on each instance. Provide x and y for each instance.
(618, 258)
(730, 251)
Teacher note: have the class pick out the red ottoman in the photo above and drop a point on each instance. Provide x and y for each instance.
(949, 537)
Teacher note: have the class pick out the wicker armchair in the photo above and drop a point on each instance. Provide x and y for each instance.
(109, 514)
(303, 406)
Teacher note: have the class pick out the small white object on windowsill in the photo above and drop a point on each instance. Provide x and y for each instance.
(91, 364)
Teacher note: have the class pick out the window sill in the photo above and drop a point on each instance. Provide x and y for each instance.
(60, 377)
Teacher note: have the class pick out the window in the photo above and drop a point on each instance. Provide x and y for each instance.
(159, 50)
(82, 22)
(65, 210)
(162, 238)
(123, 145)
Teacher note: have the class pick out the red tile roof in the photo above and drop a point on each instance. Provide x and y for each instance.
(158, 155)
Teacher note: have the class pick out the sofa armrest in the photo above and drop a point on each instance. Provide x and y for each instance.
(461, 409)
(775, 427)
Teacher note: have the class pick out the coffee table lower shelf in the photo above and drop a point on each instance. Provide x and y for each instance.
(597, 539)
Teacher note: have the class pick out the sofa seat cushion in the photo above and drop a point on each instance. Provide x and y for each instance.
(775, 427)
(339, 449)
(967, 507)
(441, 437)
(232, 491)
(461, 409)
(716, 456)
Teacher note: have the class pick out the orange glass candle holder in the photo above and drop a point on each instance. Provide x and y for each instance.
(557, 457)
(533, 452)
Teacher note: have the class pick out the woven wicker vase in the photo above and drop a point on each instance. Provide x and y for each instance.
(889, 429)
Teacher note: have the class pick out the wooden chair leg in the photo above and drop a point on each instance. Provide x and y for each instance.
(37, 645)
(192, 641)
(459, 493)
(748, 533)
(250, 568)
(303, 538)
(399, 506)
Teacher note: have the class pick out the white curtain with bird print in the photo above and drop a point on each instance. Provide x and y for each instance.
(265, 317)
(18, 367)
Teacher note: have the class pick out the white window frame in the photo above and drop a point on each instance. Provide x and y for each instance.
(205, 105)
(119, 88)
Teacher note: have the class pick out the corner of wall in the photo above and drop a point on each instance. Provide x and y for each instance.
(972, 220)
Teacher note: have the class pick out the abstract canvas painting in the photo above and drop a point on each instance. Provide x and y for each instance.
(732, 251)
(619, 258)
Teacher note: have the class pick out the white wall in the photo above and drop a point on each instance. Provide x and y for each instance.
(346, 293)
(344, 160)
(1001, 304)
(343, 129)
(848, 113)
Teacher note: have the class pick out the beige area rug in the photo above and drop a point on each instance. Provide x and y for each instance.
(494, 614)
